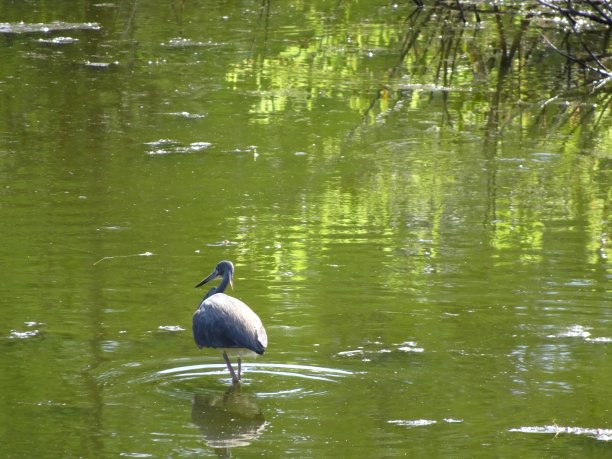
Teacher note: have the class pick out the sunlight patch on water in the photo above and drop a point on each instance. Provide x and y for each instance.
(598, 434)
(22, 27)
(599, 339)
(168, 147)
(15, 334)
(422, 422)
(409, 346)
(58, 40)
(113, 228)
(412, 422)
(98, 65)
(110, 346)
(187, 43)
(223, 243)
(171, 328)
(24, 334)
(573, 331)
(361, 351)
(186, 115)
(351, 353)
(579, 331)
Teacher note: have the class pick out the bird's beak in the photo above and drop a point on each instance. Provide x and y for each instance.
(212, 276)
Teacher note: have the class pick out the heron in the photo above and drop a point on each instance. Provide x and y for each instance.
(225, 322)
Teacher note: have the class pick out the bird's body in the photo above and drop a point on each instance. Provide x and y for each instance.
(224, 322)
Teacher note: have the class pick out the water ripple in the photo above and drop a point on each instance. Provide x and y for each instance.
(182, 382)
(277, 369)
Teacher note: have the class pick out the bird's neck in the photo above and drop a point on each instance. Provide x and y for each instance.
(222, 286)
(211, 292)
(219, 288)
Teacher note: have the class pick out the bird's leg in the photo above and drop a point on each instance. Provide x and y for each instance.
(239, 368)
(230, 368)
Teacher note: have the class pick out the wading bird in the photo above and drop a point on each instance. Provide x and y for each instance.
(222, 321)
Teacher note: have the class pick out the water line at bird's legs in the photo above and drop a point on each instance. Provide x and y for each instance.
(235, 380)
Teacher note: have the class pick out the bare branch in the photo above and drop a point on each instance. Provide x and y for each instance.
(601, 72)
(603, 19)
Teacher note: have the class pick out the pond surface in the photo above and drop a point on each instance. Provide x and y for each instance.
(421, 221)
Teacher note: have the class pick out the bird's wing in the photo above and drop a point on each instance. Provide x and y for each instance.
(224, 321)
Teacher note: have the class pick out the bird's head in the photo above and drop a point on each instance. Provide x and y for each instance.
(224, 270)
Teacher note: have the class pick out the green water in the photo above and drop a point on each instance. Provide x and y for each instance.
(423, 231)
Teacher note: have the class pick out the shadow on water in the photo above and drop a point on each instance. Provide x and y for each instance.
(227, 420)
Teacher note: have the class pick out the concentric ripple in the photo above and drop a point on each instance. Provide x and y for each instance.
(262, 379)
(278, 369)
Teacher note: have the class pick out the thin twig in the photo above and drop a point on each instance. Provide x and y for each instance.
(461, 11)
(145, 254)
(574, 12)
(587, 49)
(577, 61)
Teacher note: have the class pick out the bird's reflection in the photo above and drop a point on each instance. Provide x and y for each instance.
(227, 420)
